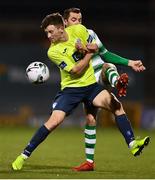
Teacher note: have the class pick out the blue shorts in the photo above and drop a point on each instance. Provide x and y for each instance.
(69, 98)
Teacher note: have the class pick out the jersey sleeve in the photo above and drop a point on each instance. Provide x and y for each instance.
(102, 49)
(115, 59)
(82, 33)
(107, 55)
(62, 62)
(95, 37)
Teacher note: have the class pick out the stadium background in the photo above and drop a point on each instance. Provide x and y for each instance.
(125, 27)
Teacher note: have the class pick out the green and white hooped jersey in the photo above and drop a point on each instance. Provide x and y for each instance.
(97, 61)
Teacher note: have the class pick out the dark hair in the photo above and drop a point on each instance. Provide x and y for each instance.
(53, 19)
(68, 11)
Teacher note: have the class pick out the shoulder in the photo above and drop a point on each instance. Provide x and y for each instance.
(91, 31)
(76, 26)
(53, 52)
(76, 29)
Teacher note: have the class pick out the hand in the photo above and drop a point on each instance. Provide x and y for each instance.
(80, 47)
(136, 65)
(92, 47)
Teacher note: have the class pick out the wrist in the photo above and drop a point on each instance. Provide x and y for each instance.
(130, 63)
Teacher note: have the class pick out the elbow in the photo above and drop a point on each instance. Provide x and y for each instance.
(76, 71)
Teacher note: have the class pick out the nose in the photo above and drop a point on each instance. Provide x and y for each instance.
(77, 22)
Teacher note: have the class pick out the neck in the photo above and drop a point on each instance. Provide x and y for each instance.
(64, 36)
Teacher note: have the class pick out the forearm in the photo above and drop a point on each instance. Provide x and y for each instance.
(113, 58)
(81, 66)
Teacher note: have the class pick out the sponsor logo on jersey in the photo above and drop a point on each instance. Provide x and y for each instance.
(77, 56)
(62, 65)
(90, 39)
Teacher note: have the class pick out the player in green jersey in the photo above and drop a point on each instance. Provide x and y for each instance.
(105, 73)
(78, 84)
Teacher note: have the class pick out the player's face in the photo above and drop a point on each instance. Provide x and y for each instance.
(74, 18)
(54, 33)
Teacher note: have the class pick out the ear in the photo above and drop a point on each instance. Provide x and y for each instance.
(62, 27)
(65, 22)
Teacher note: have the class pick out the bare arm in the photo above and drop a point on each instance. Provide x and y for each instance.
(90, 47)
(81, 66)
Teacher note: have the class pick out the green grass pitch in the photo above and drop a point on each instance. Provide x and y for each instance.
(64, 148)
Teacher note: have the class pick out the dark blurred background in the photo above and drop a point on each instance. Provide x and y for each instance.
(126, 28)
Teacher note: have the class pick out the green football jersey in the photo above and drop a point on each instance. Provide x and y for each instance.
(65, 56)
